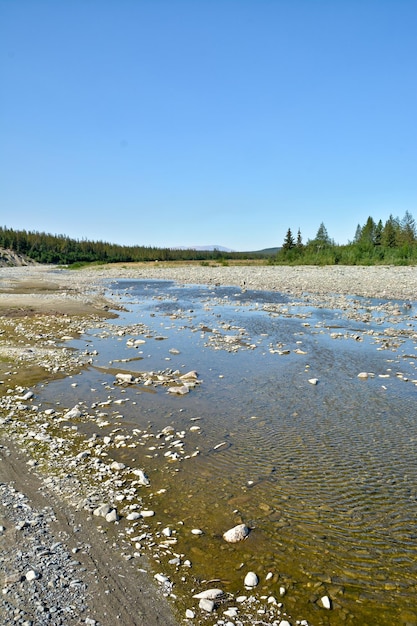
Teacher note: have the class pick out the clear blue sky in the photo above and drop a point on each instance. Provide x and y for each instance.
(173, 122)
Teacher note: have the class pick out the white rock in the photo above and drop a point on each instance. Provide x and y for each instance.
(325, 602)
(167, 532)
(284, 623)
(193, 374)
(147, 513)
(32, 574)
(238, 533)
(142, 478)
(196, 531)
(251, 580)
(282, 591)
(112, 516)
(181, 391)
(83, 455)
(117, 466)
(231, 612)
(27, 396)
(363, 375)
(133, 516)
(208, 594)
(313, 381)
(189, 614)
(161, 578)
(73, 413)
(206, 605)
(102, 510)
(125, 378)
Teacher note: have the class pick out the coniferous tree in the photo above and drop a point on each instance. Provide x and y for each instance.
(408, 229)
(322, 237)
(358, 233)
(289, 242)
(368, 232)
(299, 243)
(390, 232)
(378, 234)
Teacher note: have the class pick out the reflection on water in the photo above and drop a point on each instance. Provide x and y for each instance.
(325, 474)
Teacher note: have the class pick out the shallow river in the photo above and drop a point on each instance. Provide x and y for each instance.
(325, 474)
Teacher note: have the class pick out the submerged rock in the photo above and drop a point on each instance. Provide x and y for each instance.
(142, 478)
(206, 605)
(251, 579)
(238, 533)
(209, 594)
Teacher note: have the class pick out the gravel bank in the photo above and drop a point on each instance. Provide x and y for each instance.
(378, 281)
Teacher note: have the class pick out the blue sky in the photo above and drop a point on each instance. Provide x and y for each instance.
(173, 122)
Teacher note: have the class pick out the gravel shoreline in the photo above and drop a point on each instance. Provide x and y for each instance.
(40, 535)
(386, 282)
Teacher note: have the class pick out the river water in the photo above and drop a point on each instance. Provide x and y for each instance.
(323, 472)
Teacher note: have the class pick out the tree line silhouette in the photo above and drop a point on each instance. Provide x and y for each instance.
(60, 249)
(393, 242)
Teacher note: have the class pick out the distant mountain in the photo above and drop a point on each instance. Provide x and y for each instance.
(267, 251)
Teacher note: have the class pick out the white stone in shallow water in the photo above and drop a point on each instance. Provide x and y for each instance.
(32, 574)
(161, 578)
(143, 479)
(363, 375)
(27, 396)
(237, 533)
(209, 594)
(251, 579)
(193, 375)
(147, 513)
(325, 602)
(196, 531)
(73, 413)
(206, 605)
(133, 516)
(231, 612)
(125, 378)
(117, 466)
(313, 381)
(189, 614)
(179, 390)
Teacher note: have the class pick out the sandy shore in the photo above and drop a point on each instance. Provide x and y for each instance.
(87, 580)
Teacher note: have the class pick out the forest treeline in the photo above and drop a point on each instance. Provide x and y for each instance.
(62, 250)
(391, 243)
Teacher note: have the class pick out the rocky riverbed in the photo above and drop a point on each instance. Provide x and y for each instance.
(78, 533)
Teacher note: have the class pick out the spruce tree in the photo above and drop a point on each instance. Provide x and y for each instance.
(289, 242)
